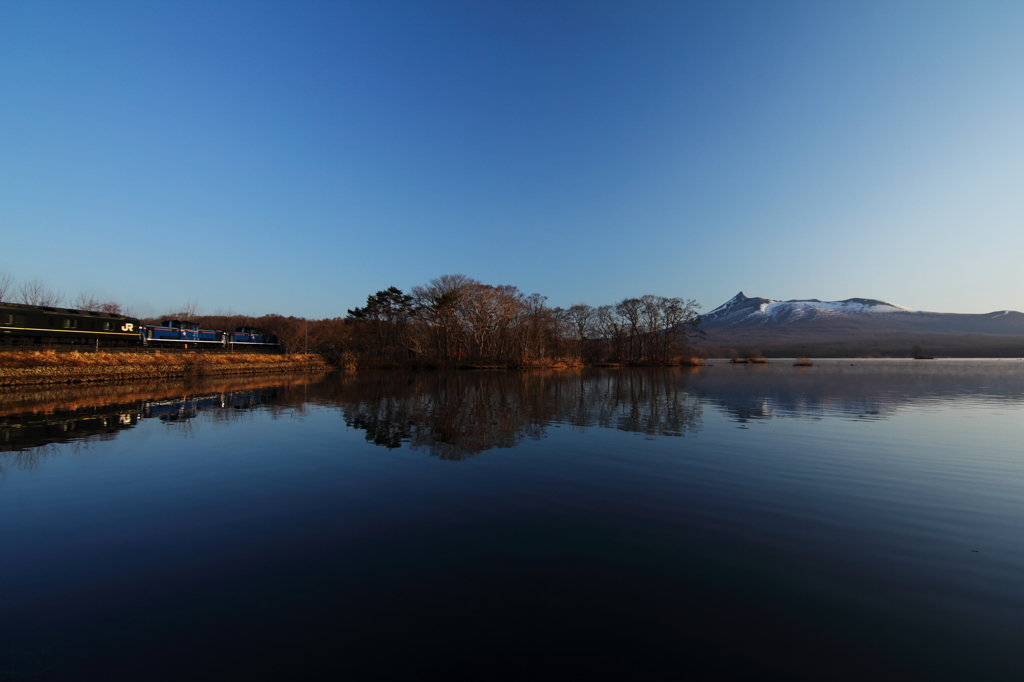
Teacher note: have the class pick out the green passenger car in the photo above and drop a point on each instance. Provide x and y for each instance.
(29, 324)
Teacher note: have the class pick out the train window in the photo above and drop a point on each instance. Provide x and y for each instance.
(70, 324)
(19, 320)
(6, 319)
(107, 326)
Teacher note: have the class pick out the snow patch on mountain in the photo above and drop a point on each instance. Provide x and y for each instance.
(747, 310)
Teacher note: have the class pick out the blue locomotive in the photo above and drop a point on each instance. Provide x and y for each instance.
(173, 332)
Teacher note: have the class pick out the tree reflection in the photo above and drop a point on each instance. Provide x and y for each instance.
(455, 415)
(449, 415)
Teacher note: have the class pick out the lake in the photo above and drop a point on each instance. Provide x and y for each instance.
(858, 519)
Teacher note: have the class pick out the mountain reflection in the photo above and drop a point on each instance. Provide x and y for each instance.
(855, 389)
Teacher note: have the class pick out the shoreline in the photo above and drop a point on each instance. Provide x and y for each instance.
(47, 367)
(40, 368)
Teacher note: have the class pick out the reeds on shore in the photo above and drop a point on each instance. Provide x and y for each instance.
(49, 358)
(51, 367)
(751, 359)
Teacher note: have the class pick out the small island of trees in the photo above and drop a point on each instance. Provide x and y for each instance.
(457, 321)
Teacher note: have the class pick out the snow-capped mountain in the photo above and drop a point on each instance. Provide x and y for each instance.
(743, 310)
(861, 323)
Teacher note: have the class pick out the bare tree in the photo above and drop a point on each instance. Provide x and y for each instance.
(112, 307)
(187, 311)
(580, 317)
(537, 328)
(35, 292)
(437, 304)
(651, 314)
(455, 320)
(86, 301)
(681, 324)
(479, 310)
(6, 285)
(629, 309)
(611, 326)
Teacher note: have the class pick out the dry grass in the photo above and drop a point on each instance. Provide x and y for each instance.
(51, 358)
(803, 362)
(41, 367)
(347, 362)
(553, 363)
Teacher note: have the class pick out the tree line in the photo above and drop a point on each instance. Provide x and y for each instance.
(456, 320)
(36, 292)
(452, 321)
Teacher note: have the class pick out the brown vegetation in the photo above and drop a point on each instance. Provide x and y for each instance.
(35, 292)
(456, 321)
(22, 368)
(329, 337)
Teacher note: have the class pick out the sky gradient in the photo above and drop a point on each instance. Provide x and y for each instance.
(295, 157)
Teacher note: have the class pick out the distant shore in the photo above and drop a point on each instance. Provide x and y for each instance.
(49, 367)
(19, 368)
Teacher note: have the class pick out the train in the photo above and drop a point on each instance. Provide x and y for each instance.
(34, 325)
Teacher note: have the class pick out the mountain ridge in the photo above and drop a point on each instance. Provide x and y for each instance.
(865, 323)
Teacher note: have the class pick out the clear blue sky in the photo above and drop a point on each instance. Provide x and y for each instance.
(294, 157)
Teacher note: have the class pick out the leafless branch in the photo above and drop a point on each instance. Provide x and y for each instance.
(35, 292)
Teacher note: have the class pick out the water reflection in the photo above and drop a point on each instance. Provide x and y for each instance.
(762, 553)
(456, 415)
(34, 419)
(23, 431)
(855, 389)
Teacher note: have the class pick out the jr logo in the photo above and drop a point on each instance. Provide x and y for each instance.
(128, 327)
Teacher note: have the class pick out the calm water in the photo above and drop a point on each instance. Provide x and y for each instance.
(853, 520)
